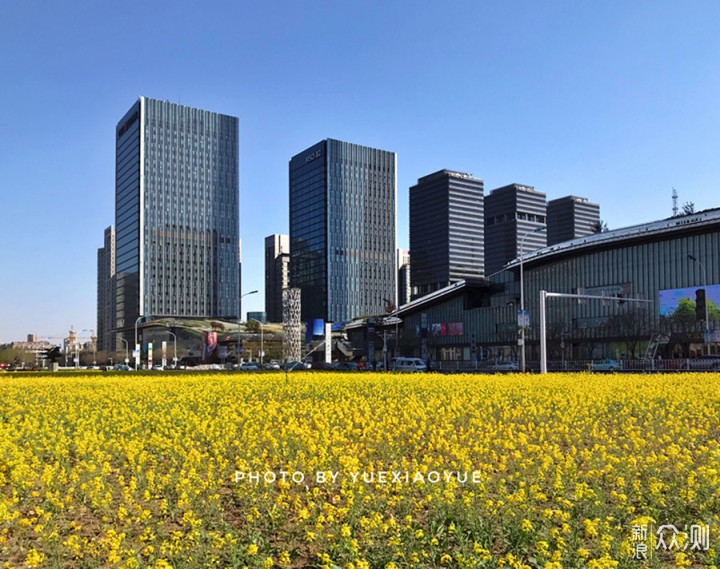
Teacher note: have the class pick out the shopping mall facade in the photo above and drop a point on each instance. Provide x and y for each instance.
(655, 282)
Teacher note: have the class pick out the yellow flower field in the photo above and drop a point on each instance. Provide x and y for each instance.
(357, 470)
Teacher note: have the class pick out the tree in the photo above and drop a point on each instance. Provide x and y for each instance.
(599, 226)
(633, 327)
(685, 311)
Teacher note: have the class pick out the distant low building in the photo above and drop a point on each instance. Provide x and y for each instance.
(259, 316)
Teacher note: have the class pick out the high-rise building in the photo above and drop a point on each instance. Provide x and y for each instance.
(446, 230)
(277, 274)
(403, 268)
(106, 293)
(569, 218)
(512, 214)
(176, 213)
(342, 229)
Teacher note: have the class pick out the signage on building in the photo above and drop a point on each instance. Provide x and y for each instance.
(313, 156)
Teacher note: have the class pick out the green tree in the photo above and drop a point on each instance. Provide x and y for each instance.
(713, 311)
(685, 311)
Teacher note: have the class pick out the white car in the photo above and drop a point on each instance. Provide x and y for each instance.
(505, 366)
(409, 365)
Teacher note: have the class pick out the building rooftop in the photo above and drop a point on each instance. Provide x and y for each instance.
(644, 230)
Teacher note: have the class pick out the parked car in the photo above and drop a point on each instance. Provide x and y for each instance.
(296, 366)
(249, 366)
(708, 362)
(272, 364)
(324, 366)
(409, 365)
(605, 365)
(505, 366)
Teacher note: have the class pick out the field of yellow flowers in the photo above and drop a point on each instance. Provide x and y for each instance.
(357, 470)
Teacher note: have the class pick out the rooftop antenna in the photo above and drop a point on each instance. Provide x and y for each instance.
(675, 201)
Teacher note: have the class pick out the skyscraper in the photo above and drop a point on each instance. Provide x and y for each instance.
(342, 229)
(106, 293)
(513, 213)
(447, 239)
(403, 268)
(277, 274)
(570, 217)
(176, 213)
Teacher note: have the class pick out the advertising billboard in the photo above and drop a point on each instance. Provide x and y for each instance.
(674, 299)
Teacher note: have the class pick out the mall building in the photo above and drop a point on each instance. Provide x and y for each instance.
(657, 281)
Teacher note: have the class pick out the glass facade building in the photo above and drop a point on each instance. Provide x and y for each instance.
(106, 293)
(176, 213)
(342, 229)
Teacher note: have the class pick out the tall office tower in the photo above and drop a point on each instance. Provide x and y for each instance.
(342, 229)
(403, 268)
(570, 217)
(277, 274)
(446, 230)
(106, 293)
(176, 213)
(513, 213)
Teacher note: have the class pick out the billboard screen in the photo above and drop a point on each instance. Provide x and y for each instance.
(670, 299)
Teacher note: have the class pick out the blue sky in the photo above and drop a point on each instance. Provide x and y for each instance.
(614, 101)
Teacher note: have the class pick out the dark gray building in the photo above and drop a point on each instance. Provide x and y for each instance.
(403, 267)
(106, 293)
(176, 213)
(569, 218)
(512, 213)
(277, 274)
(342, 229)
(446, 230)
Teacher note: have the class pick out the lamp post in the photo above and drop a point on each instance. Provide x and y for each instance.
(522, 294)
(174, 348)
(262, 346)
(137, 348)
(127, 359)
(237, 354)
(707, 320)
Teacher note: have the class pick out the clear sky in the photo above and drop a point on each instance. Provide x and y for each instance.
(610, 100)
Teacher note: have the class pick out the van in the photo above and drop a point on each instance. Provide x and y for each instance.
(408, 365)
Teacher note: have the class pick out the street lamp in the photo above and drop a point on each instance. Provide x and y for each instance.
(174, 348)
(707, 320)
(137, 348)
(127, 359)
(522, 294)
(237, 354)
(262, 348)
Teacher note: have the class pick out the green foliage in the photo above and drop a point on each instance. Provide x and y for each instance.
(685, 311)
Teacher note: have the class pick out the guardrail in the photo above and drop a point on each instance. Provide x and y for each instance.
(627, 365)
